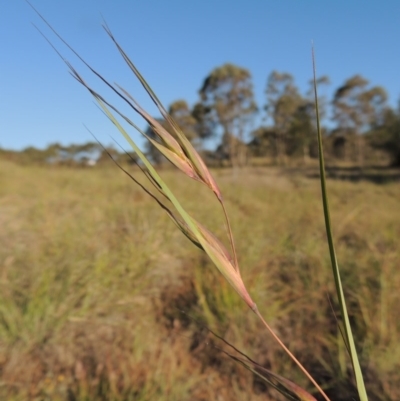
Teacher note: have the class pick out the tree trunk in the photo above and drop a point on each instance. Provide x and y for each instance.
(360, 151)
(306, 153)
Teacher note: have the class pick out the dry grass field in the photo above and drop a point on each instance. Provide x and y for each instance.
(93, 278)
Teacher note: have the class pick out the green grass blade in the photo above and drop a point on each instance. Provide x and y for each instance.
(335, 267)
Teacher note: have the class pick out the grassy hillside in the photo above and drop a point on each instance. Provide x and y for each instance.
(93, 275)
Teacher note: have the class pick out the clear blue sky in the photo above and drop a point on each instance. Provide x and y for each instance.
(175, 44)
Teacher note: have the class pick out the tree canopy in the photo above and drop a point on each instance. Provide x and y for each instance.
(362, 123)
(228, 102)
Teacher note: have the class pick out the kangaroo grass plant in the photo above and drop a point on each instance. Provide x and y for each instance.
(179, 151)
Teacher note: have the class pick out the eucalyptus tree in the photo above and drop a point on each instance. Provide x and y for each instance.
(283, 101)
(229, 107)
(386, 134)
(357, 107)
(181, 113)
(204, 126)
(303, 127)
(323, 102)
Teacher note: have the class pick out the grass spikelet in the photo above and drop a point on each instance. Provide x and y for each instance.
(180, 152)
(208, 243)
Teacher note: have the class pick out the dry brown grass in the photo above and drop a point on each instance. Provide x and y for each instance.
(92, 274)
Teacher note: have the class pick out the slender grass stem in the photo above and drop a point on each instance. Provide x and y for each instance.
(335, 267)
(295, 360)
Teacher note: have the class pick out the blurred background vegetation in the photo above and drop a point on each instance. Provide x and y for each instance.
(93, 276)
(359, 125)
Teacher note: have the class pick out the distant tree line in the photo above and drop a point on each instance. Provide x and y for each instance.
(86, 155)
(363, 128)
